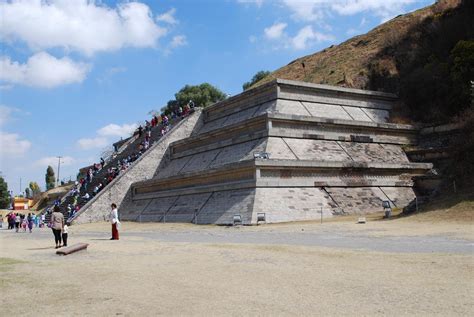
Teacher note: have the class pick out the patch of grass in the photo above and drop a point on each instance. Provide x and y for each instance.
(456, 207)
(9, 261)
(7, 264)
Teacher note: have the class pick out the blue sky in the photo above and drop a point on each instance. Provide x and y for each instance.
(77, 75)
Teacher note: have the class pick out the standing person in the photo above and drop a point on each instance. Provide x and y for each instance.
(1, 221)
(17, 222)
(64, 235)
(11, 220)
(30, 222)
(57, 225)
(115, 222)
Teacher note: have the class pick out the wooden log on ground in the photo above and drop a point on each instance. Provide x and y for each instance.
(73, 248)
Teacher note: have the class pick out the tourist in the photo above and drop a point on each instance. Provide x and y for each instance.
(57, 225)
(11, 221)
(148, 129)
(17, 222)
(64, 234)
(115, 222)
(30, 222)
(35, 220)
(140, 131)
(95, 191)
(24, 224)
(86, 197)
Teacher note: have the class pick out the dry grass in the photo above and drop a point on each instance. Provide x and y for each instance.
(144, 277)
(351, 63)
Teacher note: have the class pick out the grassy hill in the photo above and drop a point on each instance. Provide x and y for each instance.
(413, 55)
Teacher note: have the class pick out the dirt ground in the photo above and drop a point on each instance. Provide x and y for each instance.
(285, 269)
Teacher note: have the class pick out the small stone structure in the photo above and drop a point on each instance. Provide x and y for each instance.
(290, 150)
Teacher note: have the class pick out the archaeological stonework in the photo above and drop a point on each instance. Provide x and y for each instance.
(98, 208)
(290, 150)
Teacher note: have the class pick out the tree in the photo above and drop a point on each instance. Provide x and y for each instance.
(4, 194)
(35, 189)
(203, 95)
(28, 193)
(257, 77)
(49, 178)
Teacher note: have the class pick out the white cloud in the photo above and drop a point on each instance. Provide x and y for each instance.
(81, 25)
(307, 11)
(5, 113)
(92, 143)
(109, 73)
(6, 87)
(275, 31)
(306, 36)
(304, 11)
(384, 9)
(168, 17)
(53, 161)
(258, 3)
(12, 145)
(117, 130)
(178, 40)
(43, 70)
(106, 135)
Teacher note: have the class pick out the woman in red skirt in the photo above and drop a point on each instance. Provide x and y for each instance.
(115, 222)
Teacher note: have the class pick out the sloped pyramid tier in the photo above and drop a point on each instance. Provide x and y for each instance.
(327, 150)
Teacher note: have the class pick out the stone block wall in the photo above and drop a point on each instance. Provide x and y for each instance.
(331, 152)
(99, 207)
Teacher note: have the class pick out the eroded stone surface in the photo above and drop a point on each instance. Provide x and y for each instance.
(330, 150)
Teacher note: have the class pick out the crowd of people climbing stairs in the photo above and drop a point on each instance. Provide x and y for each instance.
(99, 175)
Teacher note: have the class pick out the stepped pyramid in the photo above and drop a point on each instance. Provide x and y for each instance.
(291, 150)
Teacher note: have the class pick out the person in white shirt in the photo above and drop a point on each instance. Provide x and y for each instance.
(64, 234)
(115, 222)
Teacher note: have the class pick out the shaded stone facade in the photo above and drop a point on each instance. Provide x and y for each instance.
(288, 149)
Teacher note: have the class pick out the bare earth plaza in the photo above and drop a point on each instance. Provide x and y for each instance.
(341, 184)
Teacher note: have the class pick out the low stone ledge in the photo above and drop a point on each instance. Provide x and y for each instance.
(340, 165)
(350, 123)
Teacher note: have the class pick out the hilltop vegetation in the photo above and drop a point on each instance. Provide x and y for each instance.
(426, 57)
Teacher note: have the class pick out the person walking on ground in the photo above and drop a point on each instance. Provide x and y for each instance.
(115, 222)
(64, 235)
(17, 222)
(30, 222)
(57, 225)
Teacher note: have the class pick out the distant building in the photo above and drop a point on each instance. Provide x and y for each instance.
(21, 203)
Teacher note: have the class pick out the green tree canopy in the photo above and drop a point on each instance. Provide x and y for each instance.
(35, 189)
(257, 77)
(4, 194)
(49, 178)
(203, 95)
